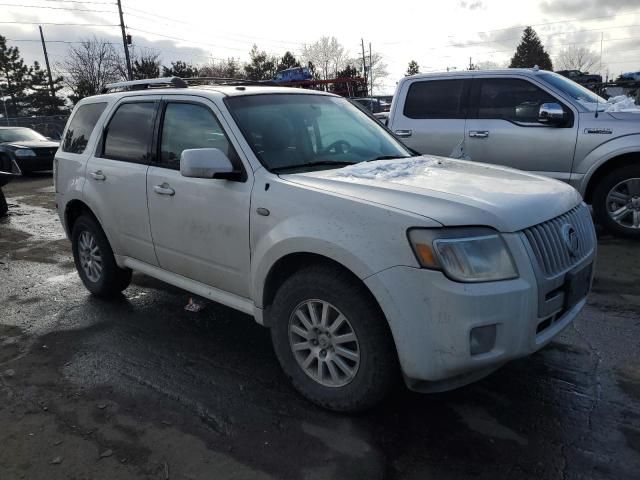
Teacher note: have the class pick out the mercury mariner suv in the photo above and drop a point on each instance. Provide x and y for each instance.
(367, 261)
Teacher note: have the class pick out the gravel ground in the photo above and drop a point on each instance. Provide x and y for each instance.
(141, 388)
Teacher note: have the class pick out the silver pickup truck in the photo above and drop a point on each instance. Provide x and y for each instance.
(532, 120)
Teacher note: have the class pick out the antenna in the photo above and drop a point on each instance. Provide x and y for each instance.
(597, 95)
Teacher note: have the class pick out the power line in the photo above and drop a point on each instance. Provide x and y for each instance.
(56, 8)
(73, 1)
(65, 24)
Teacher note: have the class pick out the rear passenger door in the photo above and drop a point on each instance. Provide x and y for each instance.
(503, 128)
(200, 226)
(432, 119)
(116, 177)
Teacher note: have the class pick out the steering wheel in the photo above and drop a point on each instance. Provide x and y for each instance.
(339, 146)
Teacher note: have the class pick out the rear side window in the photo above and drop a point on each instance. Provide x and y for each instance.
(436, 99)
(511, 99)
(187, 126)
(81, 126)
(128, 136)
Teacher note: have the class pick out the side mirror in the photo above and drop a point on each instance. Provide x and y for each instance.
(551, 114)
(205, 163)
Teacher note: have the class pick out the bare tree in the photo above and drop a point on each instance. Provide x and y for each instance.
(229, 68)
(327, 55)
(576, 58)
(378, 71)
(89, 66)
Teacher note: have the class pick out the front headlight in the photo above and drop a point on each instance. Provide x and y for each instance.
(24, 152)
(464, 254)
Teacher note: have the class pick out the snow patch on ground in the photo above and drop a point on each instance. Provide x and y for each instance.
(388, 169)
(622, 103)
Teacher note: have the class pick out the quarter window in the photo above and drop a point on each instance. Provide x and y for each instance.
(511, 99)
(436, 99)
(129, 133)
(81, 126)
(186, 126)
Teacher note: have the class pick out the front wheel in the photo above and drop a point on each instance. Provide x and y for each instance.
(616, 202)
(332, 341)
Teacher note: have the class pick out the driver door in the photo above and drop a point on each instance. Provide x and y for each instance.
(503, 128)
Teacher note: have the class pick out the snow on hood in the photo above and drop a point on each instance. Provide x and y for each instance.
(451, 192)
(622, 103)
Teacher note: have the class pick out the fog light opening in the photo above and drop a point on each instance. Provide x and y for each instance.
(482, 339)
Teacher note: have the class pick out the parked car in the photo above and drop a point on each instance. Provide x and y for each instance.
(532, 120)
(580, 77)
(24, 151)
(635, 76)
(295, 74)
(296, 207)
(374, 105)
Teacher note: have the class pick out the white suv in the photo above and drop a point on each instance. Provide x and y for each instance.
(365, 260)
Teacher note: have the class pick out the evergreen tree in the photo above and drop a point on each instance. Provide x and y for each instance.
(530, 52)
(348, 72)
(261, 66)
(39, 100)
(287, 61)
(14, 79)
(146, 65)
(413, 68)
(180, 69)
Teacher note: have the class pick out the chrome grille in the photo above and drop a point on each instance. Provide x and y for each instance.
(549, 246)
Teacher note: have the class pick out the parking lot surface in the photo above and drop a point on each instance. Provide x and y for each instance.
(141, 388)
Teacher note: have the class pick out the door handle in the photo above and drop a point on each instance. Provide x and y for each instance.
(478, 133)
(98, 175)
(403, 133)
(164, 189)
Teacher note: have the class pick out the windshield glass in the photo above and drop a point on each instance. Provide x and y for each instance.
(586, 97)
(19, 135)
(301, 132)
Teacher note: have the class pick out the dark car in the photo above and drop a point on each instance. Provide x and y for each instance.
(580, 77)
(374, 105)
(23, 151)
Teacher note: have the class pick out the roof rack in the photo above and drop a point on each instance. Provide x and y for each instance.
(227, 81)
(175, 82)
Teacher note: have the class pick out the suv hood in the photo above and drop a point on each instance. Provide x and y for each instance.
(451, 192)
(33, 144)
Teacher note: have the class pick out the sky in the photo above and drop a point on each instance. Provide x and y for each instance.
(438, 35)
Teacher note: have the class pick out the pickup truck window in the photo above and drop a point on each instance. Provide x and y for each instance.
(82, 124)
(300, 131)
(128, 136)
(511, 99)
(436, 99)
(187, 125)
(586, 97)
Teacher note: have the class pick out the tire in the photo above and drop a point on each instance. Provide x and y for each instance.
(102, 278)
(620, 185)
(375, 372)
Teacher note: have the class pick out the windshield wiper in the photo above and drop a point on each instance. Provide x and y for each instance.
(389, 157)
(319, 163)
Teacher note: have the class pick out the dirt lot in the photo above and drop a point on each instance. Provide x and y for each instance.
(141, 388)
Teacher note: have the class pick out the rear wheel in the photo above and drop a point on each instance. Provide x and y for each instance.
(332, 341)
(94, 259)
(616, 202)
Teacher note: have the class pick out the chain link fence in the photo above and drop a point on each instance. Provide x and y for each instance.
(49, 126)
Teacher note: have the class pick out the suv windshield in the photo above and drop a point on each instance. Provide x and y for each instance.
(19, 135)
(301, 132)
(586, 97)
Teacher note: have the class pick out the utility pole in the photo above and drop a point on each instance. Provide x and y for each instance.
(370, 69)
(124, 42)
(364, 68)
(46, 61)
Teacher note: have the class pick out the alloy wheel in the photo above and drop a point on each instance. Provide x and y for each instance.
(623, 203)
(90, 257)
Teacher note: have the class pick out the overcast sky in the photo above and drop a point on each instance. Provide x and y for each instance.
(435, 34)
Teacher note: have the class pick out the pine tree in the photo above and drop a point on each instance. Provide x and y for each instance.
(39, 100)
(530, 52)
(287, 61)
(14, 79)
(180, 69)
(413, 68)
(261, 66)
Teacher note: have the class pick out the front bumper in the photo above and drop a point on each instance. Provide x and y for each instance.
(34, 164)
(431, 319)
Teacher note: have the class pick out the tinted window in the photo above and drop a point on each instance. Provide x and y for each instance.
(436, 99)
(129, 132)
(191, 126)
(511, 99)
(81, 126)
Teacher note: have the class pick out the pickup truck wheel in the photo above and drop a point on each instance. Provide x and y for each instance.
(94, 259)
(332, 341)
(616, 202)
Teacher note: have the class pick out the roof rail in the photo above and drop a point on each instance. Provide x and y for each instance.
(175, 82)
(227, 81)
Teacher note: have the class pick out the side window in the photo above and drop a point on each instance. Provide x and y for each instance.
(82, 124)
(436, 99)
(187, 125)
(129, 132)
(511, 99)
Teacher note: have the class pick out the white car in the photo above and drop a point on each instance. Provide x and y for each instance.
(366, 261)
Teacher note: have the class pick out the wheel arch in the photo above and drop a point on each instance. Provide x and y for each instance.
(72, 211)
(607, 167)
